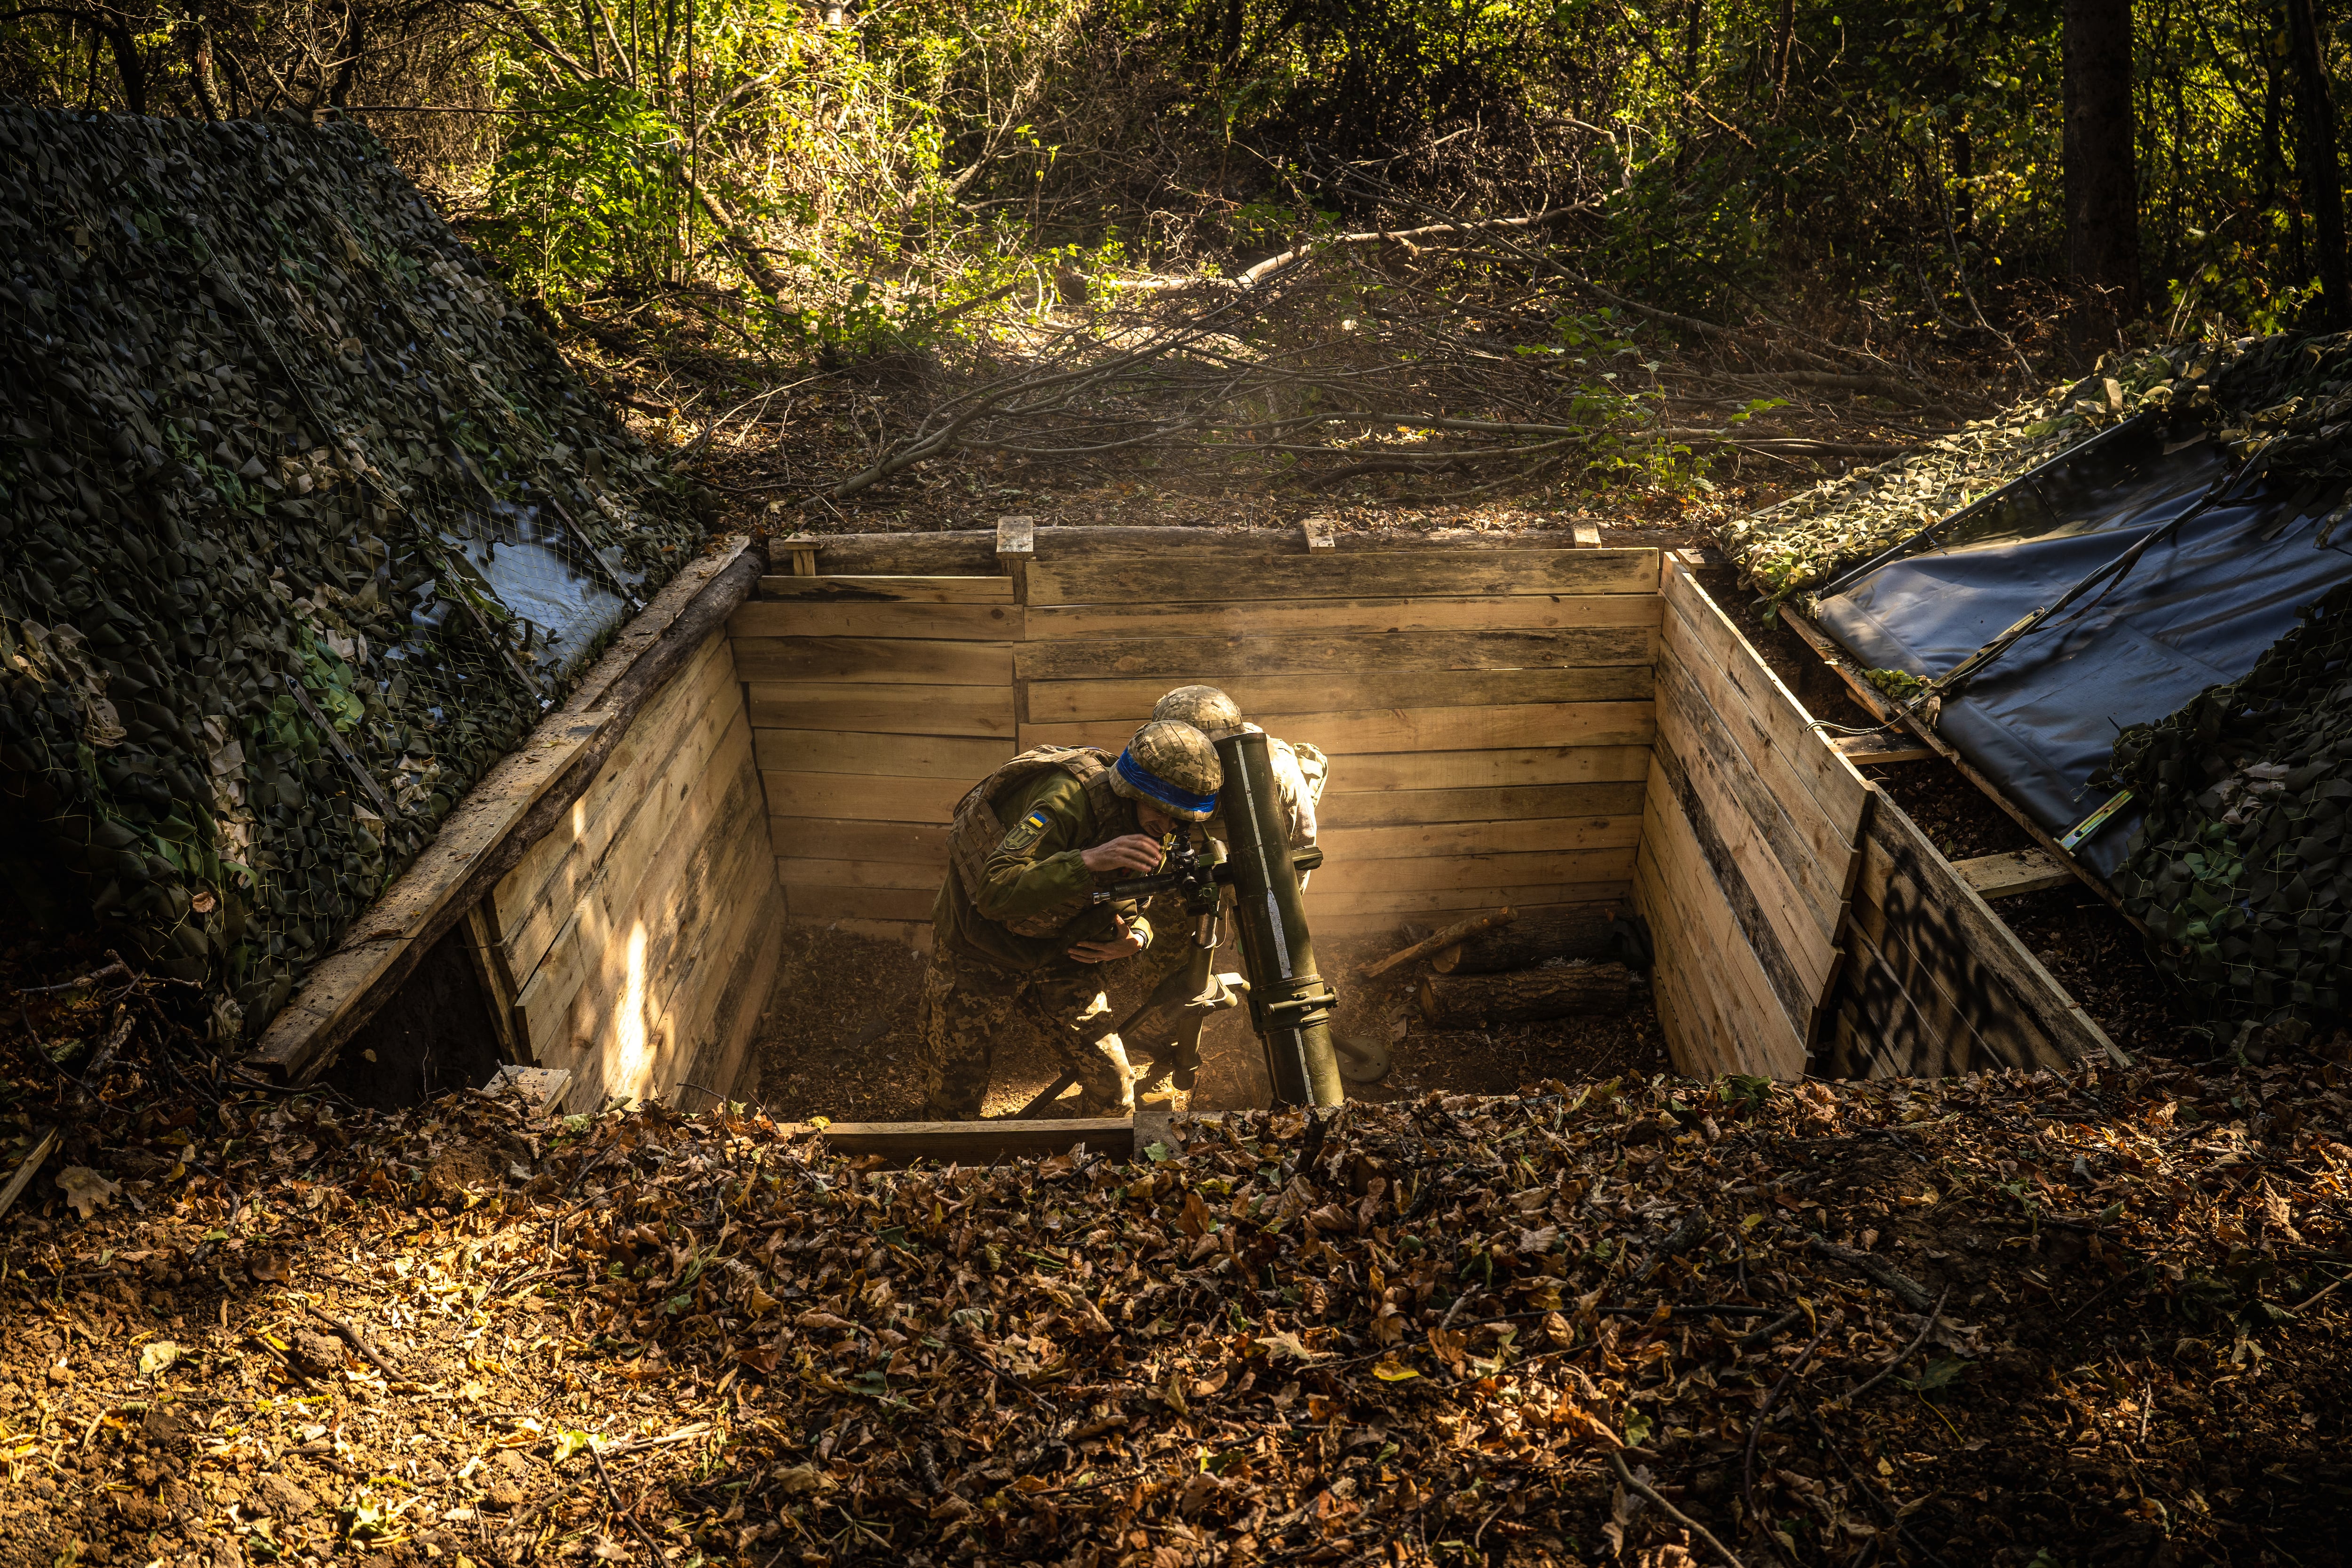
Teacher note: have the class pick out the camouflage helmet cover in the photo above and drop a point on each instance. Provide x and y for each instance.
(1173, 767)
(1204, 707)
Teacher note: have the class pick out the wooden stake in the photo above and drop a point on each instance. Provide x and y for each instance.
(43, 1147)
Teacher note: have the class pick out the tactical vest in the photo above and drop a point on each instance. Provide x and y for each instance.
(978, 830)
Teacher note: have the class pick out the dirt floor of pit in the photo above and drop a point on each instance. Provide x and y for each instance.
(838, 1039)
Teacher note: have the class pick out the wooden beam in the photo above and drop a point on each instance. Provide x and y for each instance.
(1886, 710)
(882, 709)
(889, 589)
(467, 859)
(1321, 614)
(1016, 536)
(879, 661)
(1317, 531)
(1265, 700)
(877, 618)
(1494, 728)
(1357, 655)
(388, 940)
(1150, 575)
(974, 1143)
(2012, 872)
(1878, 749)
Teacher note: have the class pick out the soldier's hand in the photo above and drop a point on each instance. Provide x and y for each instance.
(1128, 943)
(1133, 853)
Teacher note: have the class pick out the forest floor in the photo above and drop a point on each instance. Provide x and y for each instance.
(839, 1038)
(2001, 1320)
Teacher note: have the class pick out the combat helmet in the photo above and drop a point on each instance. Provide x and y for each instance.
(1204, 707)
(1173, 767)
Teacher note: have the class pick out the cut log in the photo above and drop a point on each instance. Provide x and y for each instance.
(1560, 991)
(1443, 939)
(1579, 931)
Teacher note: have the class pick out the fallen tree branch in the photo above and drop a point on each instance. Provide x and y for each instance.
(1642, 1488)
(1441, 939)
(1912, 1294)
(1888, 1369)
(1409, 237)
(356, 1340)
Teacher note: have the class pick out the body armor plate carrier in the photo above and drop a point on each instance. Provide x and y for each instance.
(977, 829)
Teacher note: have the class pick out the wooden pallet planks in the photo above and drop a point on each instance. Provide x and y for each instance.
(943, 757)
(1179, 660)
(893, 588)
(1499, 727)
(902, 661)
(1453, 839)
(1955, 989)
(907, 843)
(1426, 808)
(1492, 611)
(1275, 701)
(1384, 770)
(885, 708)
(660, 761)
(848, 796)
(1153, 577)
(811, 617)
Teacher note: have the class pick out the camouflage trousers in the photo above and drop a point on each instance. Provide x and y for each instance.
(968, 1002)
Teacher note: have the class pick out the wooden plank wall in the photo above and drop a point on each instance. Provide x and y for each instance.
(634, 945)
(1751, 846)
(1936, 983)
(1488, 711)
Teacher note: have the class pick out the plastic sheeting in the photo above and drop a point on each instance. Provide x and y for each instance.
(2198, 609)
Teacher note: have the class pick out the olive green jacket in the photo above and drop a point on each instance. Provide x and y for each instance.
(1035, 867)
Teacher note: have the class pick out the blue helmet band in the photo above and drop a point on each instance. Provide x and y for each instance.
(1198, 807)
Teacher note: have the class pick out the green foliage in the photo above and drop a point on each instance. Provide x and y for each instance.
(587, 190)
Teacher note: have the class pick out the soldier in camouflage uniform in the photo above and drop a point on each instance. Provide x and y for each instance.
(1300, 771)
(1015, 927)
(1175, 966)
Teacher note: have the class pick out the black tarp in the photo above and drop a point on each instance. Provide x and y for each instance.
(2236, 556)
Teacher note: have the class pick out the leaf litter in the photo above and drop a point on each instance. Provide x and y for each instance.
(1999, 1319)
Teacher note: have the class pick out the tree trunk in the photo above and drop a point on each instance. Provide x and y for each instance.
(1463, 1001)
(2317, 169)
(1579, 932)
(1784, 46)
(1964, 189)
(2101, 173)
(130, 66)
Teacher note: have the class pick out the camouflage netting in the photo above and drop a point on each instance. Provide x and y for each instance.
(2239, 869)
(2293, 393)
(301, 528)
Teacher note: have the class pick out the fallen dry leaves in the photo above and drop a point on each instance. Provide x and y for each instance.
(2093, 1314)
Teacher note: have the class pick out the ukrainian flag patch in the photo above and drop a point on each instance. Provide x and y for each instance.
(1027, 831)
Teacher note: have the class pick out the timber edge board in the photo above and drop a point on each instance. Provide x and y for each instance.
(375, 957)
(1875, 703)
(974, 549)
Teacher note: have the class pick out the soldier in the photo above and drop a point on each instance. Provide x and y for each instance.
(1175, 975)
(1300, 771)
(1015, 926)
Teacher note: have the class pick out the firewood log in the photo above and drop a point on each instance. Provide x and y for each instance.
(1582, 931)
(1557, 991)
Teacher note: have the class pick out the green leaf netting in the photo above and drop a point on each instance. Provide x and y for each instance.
(301, 528)
(2238, 869)
(2294, 394)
